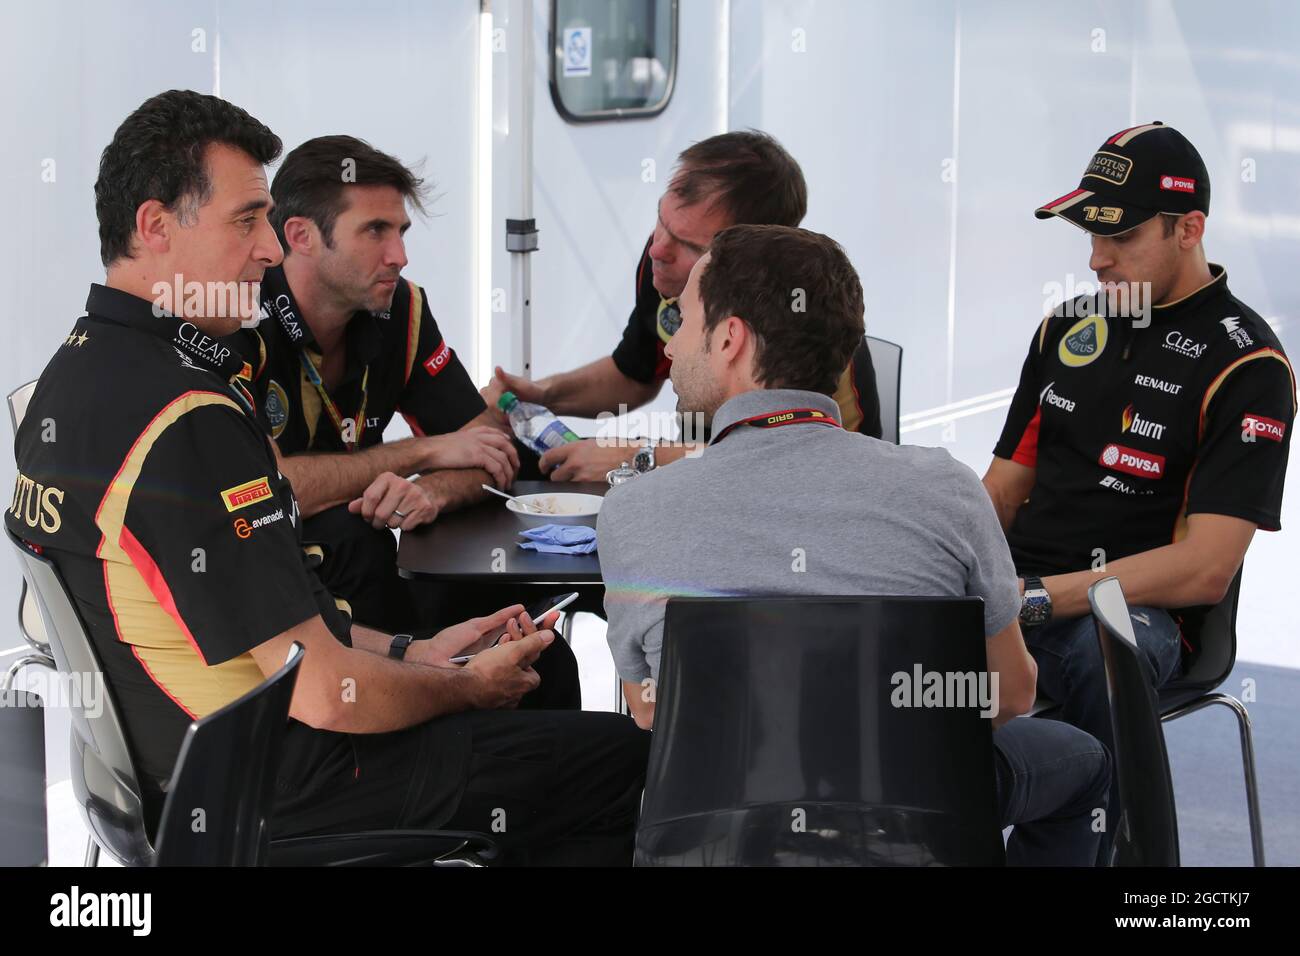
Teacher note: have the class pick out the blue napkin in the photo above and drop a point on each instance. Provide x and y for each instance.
(560, 539)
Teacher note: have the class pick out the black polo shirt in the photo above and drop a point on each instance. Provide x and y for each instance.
(145, 478)
(1133, 429)
(396, 361)
(654, 320)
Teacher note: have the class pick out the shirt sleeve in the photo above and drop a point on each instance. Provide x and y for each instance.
(1246, 437)
(439, 397)
(991, 573)
(205, 529)
(635, 614)
(639, 355)
(1019, 439)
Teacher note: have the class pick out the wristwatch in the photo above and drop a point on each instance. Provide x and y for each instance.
(397, 649)
(644, 459)
(1036, 605)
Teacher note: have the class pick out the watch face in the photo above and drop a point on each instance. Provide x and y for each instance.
(641, 461)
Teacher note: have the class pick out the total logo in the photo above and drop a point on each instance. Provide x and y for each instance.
(1262, 427)
(1117, 484)
(1049, 397)
(1133, 423)
(1177, 342)
(439, 359)
(1133, 462)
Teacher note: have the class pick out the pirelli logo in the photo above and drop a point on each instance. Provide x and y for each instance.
(250, 492)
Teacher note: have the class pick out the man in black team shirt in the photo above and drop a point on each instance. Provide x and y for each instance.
(1149, 447)
(145, 477)
(347, 343)
(736, 178)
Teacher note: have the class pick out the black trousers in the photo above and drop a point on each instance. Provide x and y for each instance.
(550, 787)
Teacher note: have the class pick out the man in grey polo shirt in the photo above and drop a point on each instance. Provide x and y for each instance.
(769, 319)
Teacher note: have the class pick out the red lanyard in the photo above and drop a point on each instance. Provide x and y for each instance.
(791, 416)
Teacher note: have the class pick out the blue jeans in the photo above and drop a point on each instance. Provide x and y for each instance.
(1071, 674)
(1051, 778)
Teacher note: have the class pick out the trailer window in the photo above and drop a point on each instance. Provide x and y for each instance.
(612, 59)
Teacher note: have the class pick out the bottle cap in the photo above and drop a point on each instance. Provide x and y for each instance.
(506, 400)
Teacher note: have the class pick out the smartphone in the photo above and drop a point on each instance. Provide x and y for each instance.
(559, 604)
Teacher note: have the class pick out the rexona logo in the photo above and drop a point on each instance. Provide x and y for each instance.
(1135, 424)
(133, 910)
(1262, 427)
(1146, 381)
(250, 492)
(1084, 342)
(1049, 397)
(1133, 462)
(1177, 342)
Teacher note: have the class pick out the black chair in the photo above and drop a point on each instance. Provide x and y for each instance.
(22, 780)
(113, 803)
(887, 360)
(1213, 633)
(1146, 833)
(777, 740)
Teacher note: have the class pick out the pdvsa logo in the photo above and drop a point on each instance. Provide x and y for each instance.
(1184, 346)
(1133, 423)
(1133, 462)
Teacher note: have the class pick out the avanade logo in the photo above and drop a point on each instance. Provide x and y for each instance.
(74, 908)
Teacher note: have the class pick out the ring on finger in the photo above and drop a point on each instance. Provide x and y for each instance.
(400, 514)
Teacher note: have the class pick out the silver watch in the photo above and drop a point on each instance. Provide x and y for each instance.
(644, 459)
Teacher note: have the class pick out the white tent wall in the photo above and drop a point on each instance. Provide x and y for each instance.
(595, 192)
(931, 184)
(398, 73)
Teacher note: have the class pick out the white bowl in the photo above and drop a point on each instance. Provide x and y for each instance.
(569, 508)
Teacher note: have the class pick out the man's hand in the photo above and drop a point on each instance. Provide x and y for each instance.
(389, 494)
(505, 672)
(525, 389)
(583, 460)
(478, 447)
(475, 635)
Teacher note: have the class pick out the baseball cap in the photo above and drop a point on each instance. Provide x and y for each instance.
(1136, 174)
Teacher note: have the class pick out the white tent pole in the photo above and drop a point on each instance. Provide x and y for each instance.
(521, 228)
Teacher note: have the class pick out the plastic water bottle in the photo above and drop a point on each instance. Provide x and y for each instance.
(534, 425)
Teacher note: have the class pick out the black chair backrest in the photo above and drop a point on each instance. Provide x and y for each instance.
(780, 737)
(22, 780)
(1147, 831)
(1212, 631)
(219, 800)
(887, 359)
(103, 774)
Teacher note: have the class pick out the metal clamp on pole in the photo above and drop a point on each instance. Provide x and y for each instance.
(521, 235)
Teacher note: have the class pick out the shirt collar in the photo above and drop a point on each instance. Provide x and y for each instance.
(363, 335)
(767, 401)
(194, 346)
(1216, 286)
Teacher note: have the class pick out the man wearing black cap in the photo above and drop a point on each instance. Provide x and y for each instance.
(1149, 434)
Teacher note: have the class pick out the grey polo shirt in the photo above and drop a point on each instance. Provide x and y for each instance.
(796, 509)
